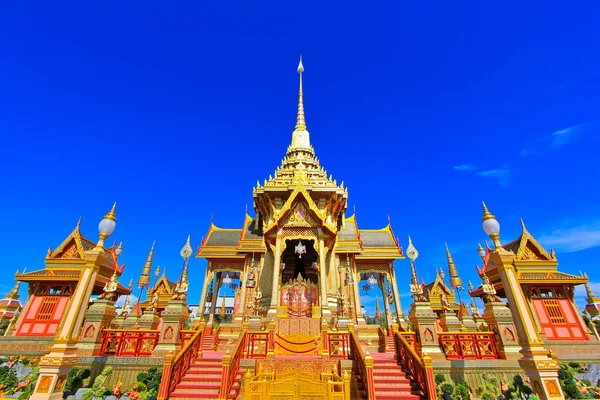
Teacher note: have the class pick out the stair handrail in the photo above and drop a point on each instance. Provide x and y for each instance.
(231, 364)
(382, 342)
(420, 368)
(177, 365)
(364, 363)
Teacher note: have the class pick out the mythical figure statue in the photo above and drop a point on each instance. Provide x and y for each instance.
(110, 288)
(444, 302)
(154, 302)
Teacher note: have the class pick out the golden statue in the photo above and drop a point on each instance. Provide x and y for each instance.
(444, 302)
(110, 288)
(154, 302)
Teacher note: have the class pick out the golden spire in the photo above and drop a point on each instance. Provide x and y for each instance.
(222, 311)
(486, 213)
(111, 214)
(300, 121)
(455, 280)
(591, 296)
(14, 293)
(377, 309)
(144, 279)
(300, 136)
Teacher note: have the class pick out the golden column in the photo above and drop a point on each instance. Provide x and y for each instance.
(208, 276)
(62, 355)
(325, 312)
(276, 268)
(538, 363)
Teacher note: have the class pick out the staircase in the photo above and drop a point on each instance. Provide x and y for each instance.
(389, 379)
(207, 342)
(389, 343)
(203, 380)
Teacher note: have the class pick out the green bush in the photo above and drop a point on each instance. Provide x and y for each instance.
(567, 382)
(461, 392)
(439, 379)
(447, 388)
(8, 380)
(587, 382)
(98, 389)
(75, 379)
(28, 390)
(151, 379)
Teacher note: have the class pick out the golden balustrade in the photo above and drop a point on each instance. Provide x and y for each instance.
(322, 386)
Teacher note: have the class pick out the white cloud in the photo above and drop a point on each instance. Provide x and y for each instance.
(554, 140)
(465, 167)
(501, 175)
(573, 239)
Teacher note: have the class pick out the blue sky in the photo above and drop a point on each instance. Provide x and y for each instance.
(423, 110)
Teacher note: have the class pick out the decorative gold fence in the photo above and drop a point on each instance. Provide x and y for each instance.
(297, 384)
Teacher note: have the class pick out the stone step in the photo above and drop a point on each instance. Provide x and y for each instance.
(203, 377)
(192, 387)
(396, 396)
(204, 371)
(391, 381)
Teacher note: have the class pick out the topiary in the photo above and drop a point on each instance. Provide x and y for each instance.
(439, 379)
(75, 379)
(447, 388)
(461, 391)
(151, 379)
(98, 390)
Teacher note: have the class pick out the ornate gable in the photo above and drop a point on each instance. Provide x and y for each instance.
(529, 249)
(163, 286)
(71, 248)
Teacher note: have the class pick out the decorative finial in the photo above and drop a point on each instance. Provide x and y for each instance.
(14, 293)
(455, 280)
(486, 213)
(144, 279)
(119, 249)
(78, 223)
(480, 251)
(300, 119)
(106, 227)
(111, 214)
(491, 226)
(411, 251)
(186, 251)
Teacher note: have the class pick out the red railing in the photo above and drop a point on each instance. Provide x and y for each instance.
(231, 364)
(176, 366)
(468, 346)
(363, 364)
(185, 335)
(419, 369)
(338, 345)
(128, 343)
(257, 344)
(411, 339)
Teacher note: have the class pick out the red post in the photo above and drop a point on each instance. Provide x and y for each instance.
(429, 380)
(165, 383)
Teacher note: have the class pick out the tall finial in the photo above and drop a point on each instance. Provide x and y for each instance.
(14, 293)
(300, 121)
(491, 227)
(78, 223)
(455, 280)
(144, 279)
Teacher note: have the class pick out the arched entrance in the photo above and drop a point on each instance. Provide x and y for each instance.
(299, 259)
